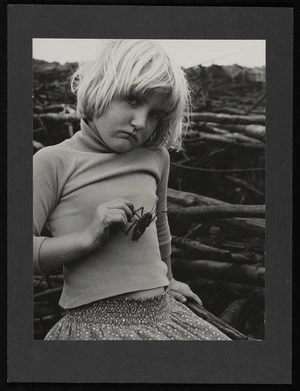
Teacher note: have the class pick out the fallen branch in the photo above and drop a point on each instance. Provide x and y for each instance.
(49, 294)
(201, 249)
(220, 324)
(58, 117)
(185, 168)
(229, 139)
(228, 119)
(199, 213)
(256, 131)
(260, 99)
(223, 271)
(246, 186)
(253, 227)
(190, 199)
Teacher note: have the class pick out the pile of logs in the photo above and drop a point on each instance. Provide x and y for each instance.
(218, 247)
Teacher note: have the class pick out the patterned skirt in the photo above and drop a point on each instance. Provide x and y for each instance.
(156, 318)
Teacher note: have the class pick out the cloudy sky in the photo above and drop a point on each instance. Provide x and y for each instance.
(249, 53)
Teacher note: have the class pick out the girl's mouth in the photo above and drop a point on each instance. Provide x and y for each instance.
(131, 135)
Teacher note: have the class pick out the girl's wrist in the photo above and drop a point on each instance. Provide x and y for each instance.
(85, 241)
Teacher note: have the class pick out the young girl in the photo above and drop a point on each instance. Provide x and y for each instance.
(94, 191)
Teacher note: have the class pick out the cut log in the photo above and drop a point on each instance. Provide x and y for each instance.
(200, 213)
(228, 119)
(223, 271)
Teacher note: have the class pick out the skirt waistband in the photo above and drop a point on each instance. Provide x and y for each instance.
(123, 311)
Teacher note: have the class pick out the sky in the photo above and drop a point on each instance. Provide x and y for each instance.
(187, 53)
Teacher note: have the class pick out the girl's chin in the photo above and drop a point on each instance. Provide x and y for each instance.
(122, 147)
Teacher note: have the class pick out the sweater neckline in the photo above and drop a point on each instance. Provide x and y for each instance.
(92, 139)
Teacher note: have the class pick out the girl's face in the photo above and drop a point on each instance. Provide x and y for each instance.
(129, 122)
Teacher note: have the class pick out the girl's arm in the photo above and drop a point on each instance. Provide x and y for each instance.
(51, 170)
(167, 261)
(179, 290)
(58, 251)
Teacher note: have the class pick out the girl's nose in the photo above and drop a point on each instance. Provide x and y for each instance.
(139, 118)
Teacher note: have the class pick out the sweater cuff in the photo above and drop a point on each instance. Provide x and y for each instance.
(37, 243)
(165, 250)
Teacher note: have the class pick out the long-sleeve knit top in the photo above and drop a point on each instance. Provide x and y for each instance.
(70, 180)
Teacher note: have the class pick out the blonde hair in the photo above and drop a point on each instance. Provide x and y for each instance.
(134, 67)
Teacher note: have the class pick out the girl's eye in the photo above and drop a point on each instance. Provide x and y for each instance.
(156, 115)
(132, 100)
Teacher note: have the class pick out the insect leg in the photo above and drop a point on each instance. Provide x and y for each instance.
(131, 226)
(139, 209)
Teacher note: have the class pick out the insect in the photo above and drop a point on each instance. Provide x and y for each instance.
(142, 221)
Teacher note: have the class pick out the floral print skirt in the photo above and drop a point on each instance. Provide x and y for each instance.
(156, 318)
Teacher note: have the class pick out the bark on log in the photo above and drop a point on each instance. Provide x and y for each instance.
(246, 186)
(255, 131)
(191, 199)
(215, 321)
(228, 119)
(43, 286)
(193, 249)
(200, 213)
(260, 99)
(208, 252)
(247, 133)
(186, 168)
(233, 313)
(42, 309)
(49, 294)
(253, 226)
(58, 117)
(223, 271)
(228, 139)
(243, 289)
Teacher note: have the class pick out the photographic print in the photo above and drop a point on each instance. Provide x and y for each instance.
(150, 152)
(215, 190)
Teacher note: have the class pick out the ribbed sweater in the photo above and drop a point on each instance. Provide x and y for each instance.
(70, 180)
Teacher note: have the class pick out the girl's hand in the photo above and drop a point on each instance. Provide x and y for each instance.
(181, 292)
(108, 216)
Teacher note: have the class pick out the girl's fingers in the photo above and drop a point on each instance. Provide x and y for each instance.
(177, 296)
(197, 299)
(124, 205)
(190, 294)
